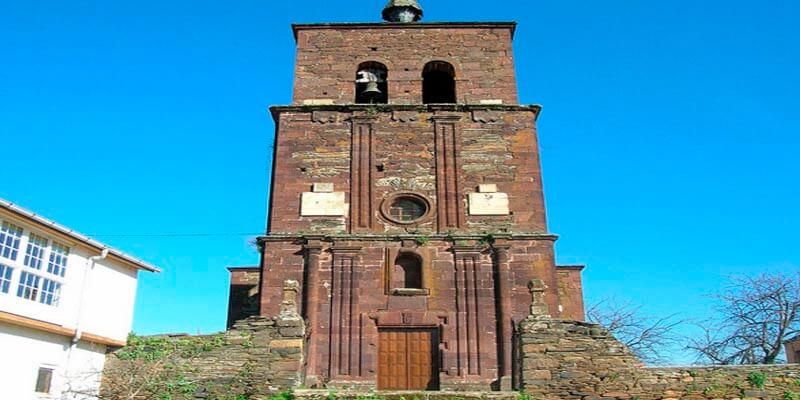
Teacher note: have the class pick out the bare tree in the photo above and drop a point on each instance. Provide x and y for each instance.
(648, 337)
(124, 380)
(756, 315)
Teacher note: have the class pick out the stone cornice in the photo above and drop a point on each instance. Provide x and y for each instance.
(279, 237)
(570, 267)
(276, 111)
(464, 250)
(345, 249)
(512, 26)
(446, 118)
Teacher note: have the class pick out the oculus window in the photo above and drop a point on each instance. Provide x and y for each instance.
(406, 208)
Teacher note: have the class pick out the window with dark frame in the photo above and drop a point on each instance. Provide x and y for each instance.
(44, 380)
(407, 209)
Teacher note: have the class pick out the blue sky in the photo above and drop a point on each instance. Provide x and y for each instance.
(669, 134)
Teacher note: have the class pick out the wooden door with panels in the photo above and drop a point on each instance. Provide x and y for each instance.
(408, 359)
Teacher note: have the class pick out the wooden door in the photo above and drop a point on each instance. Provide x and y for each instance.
(408, 359)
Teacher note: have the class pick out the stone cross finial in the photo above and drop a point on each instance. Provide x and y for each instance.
(539, 308)
(289, 303)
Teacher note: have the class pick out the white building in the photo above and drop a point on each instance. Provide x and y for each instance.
(65, 300)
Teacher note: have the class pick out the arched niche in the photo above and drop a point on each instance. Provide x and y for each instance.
(438, 83)
(407, 271)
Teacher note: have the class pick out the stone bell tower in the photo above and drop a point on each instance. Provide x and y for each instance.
(407, 203)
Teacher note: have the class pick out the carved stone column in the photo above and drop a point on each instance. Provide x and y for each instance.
(361, 170)
(468, 318)
(311, 310)
(505, 326)
(345, 351)
(449, 203)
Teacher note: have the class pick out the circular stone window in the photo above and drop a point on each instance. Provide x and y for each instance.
(405, 208)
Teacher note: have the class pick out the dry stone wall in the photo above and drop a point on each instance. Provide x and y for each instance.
(566, 360)
(259, 356)
(558, 360)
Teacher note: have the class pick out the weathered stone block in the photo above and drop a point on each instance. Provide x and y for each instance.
(323, 204)
(287, 343)
(488, 204)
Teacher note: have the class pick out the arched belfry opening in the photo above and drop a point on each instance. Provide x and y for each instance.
(371, 83)
(438, 83)
(407, 273)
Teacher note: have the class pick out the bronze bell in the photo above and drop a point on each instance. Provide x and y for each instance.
(371, 92)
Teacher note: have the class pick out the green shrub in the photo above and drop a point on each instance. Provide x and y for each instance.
(486, 239)
(285, 395)
(757, 379)
(524, 396)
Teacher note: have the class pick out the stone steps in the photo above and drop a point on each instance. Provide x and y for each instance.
(348, 394)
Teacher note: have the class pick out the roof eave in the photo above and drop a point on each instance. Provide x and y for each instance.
(78, 237)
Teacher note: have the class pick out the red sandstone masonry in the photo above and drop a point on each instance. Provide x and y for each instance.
(328, 56)
(496, 145)
(467, 363)
(442, 153)
(570, 291)
(475, 269)
(245, 275)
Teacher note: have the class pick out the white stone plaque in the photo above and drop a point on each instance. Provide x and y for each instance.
(323, 188)
(487, 188)
(323, 205)
(488, 204)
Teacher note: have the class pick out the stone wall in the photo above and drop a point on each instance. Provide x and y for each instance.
(475, 170)
(442, 153)
(328, 56)
(568, 360)
(347, 296)
(257, 357)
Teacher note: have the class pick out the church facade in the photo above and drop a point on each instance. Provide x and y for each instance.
(407, 203)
